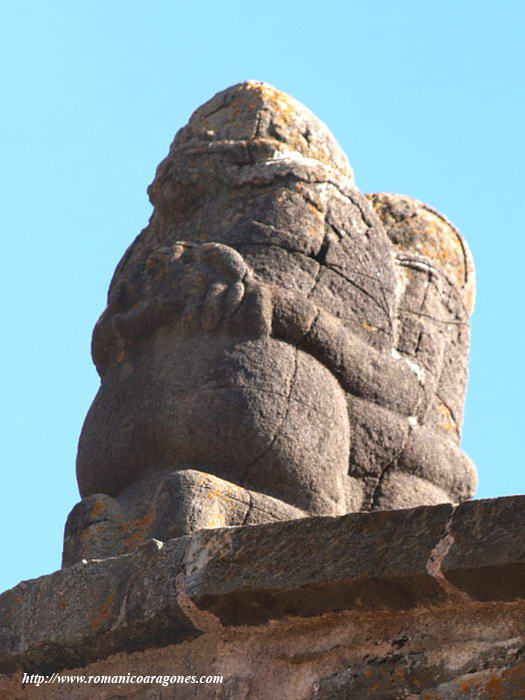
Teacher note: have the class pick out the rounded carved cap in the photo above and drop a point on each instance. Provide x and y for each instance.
(257, 112)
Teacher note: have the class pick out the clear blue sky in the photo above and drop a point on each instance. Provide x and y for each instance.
(427, 99)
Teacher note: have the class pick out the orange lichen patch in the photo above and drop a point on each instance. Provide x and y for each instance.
(446, 419)
(435, 239)
(512, 683)
(272, 96)
(413, 227)
(98, 508)
(201, 478)
(134, 531)
(102, 613)
(494, 685)
(399, 673)
(467, 686)
(216, 521)
(312, 208)
(368, 327)
(63, 603)
(260, 113)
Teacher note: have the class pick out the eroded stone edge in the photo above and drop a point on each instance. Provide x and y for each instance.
(155, 606)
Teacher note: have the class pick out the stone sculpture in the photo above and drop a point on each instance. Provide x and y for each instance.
(276, 344)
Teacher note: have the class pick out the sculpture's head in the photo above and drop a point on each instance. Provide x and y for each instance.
(257, 171)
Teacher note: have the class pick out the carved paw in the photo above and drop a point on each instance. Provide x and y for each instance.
(214, 287)
(204, 288)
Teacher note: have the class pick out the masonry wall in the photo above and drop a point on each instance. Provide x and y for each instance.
(420, 603)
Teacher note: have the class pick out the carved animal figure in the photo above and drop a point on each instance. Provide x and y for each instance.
(276, 344)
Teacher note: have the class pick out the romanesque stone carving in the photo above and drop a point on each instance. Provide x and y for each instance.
(276, 344)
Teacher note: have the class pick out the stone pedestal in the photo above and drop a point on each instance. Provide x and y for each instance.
(420, 603)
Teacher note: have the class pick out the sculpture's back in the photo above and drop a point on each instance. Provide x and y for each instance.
(275, 344)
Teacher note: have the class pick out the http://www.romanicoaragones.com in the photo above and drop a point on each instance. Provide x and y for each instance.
(117, 679)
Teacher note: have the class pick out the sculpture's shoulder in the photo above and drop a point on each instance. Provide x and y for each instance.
(418, 231)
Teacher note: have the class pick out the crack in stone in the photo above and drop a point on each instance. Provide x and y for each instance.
(203, 620)
(432, 318)
(150, 547)
(195, 505)
(376, 492)
(437, 557)
(422, 263)
(223, 105)
(385, 310)
(249, 509)
(359, 206)
(328, 266)
(451, 411)
(277, 518)
(224, 495)
(418, 343)
(258, 123)
(280, 246)
(251, 464)
(280, 232)
(320, 259)
(311, 201)
(95, 522)
(338, 270)
(214, 387)
(333, 267)
(427, 288)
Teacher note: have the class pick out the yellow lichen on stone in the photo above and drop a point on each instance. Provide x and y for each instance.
(368, 327)
(257, 112)
(415, 228)
(447, 422)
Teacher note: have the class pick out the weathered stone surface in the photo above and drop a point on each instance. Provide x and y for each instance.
(424, 674)
(372, 561)
(414, 226)
(100, 526)
(275, 328)
(380, 562)
(388, 604)
(94, 609)
(325, 657)
(418, 654)
(487, 559)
